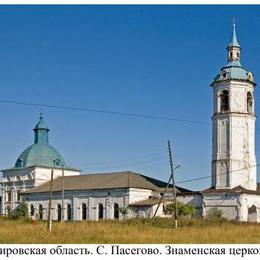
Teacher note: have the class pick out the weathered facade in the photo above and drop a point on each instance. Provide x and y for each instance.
(107, 196)
(234, 186)
(86, 197)
(32, 168)
(97, 196)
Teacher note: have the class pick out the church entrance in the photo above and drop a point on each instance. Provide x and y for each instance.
(252, 215)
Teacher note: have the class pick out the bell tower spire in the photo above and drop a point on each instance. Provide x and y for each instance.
(233, 48)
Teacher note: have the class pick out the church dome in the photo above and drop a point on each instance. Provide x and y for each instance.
(234, 70)
(40, 153)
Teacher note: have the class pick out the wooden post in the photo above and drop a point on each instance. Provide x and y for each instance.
(173, 186)
(49, 224)
(62, 196)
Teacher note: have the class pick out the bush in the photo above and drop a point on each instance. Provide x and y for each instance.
(182, 209)
(215, 213)
(20, 212)
(123, 211)
(215, 216)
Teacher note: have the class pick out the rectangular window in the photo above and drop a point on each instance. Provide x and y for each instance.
(18, 196)
(9, 196)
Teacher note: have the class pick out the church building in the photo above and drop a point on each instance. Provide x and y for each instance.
(86, 197)
(32, 168)
(233, 188)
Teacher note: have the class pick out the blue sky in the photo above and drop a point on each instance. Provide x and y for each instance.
(156, 60)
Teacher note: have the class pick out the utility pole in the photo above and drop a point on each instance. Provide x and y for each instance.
(173, 186)
(62, 195)
(49, 224)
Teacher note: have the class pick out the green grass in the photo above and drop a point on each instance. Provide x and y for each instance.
(131, 231)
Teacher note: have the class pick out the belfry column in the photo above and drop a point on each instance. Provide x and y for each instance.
(233, 124)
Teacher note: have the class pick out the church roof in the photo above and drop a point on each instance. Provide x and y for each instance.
(233, 70)
(233, 42)
(41, 124)
(40, 153)
(113, 180)
(153, 200)
(238, 189)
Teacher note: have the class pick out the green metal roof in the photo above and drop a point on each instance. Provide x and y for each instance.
(40, 153)
(234, 70)
(41, 124)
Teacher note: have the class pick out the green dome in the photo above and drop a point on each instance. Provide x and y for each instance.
(234, 71)
(39, 155)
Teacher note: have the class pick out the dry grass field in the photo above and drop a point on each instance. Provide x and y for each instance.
(131, 231)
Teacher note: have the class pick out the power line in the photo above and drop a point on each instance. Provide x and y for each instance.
(209, 176)
(92, 110)
(117, 113)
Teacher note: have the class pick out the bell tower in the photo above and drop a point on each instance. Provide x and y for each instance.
(233, 124)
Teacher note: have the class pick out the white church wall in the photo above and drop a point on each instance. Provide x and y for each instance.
(91, 198)
(233, 135)
(247, 201)
(139, 194)
(227, 203)
(17, 180)
(43, 174)
(141, 212)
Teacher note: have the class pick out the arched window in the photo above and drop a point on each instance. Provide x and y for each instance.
(68, 211)
(40, 211)
(100, 211)
(116, 211)
(252, 214)
(249, 102)
(19, 163)
(59, 212)
(84, 211)
(224, 101)
(32, 210)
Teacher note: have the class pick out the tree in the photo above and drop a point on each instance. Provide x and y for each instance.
(20, 212)
(182, 209)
